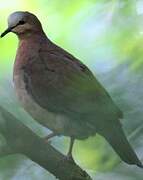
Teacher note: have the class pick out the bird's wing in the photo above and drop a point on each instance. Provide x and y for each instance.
(62, 84)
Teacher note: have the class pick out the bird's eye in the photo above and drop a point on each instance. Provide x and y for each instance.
(21, 22)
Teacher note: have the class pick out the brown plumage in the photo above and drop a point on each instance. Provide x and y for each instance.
(60, 92)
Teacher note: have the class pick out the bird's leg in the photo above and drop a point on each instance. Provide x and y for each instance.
(69, 154)
(49, 136)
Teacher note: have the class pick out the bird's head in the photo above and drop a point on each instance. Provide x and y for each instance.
(21, 22)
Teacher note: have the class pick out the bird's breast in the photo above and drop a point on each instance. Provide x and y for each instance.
(56, 122)
(52, 121)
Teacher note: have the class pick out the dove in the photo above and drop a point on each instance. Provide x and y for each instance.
(60, 92)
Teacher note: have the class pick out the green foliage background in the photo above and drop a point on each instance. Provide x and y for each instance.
(107, 35)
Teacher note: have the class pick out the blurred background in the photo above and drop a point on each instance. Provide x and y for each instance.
(106, 35)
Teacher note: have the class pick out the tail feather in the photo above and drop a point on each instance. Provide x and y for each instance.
(120, 144)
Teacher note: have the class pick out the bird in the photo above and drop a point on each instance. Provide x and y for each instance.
(60, 92)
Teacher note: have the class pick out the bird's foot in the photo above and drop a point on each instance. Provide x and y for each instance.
(49, 136)
(69, 157)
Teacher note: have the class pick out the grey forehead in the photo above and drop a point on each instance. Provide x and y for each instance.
(16, 17)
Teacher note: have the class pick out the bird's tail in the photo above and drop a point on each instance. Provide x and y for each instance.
(120, 144)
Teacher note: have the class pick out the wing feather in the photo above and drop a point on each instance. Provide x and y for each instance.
(62, 84)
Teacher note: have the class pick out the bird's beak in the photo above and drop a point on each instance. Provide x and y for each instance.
(6, 32)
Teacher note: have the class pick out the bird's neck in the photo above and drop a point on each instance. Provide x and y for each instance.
(29, 35)
(31, 41)
(28, 49)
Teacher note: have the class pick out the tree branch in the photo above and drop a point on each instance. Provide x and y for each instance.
(20, 139)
